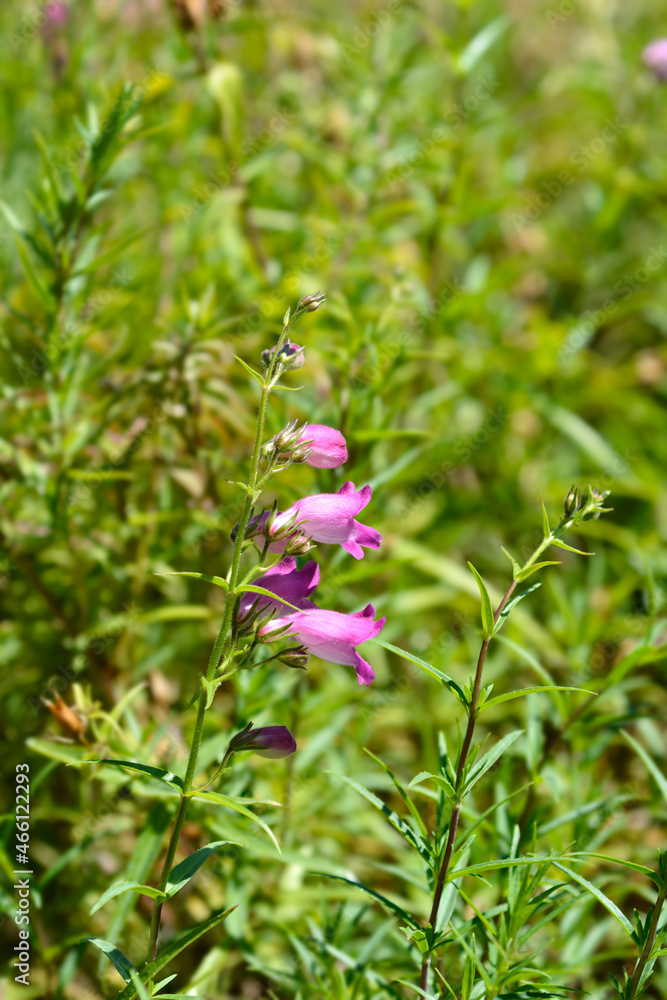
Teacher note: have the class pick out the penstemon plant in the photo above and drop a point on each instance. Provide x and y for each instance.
(504, 966)
(266, 602)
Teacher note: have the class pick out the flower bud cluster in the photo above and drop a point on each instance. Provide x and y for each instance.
(579, 507)
(287, 448)
(291, 356)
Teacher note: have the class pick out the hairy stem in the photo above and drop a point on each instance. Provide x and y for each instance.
(221, 646)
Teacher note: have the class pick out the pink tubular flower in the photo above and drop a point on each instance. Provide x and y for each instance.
(329, 518)
(287, 582)
(327, 446)
(655, 57)
(333, 636)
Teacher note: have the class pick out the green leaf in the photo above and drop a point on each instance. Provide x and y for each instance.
(123, 964)
(488, 624)
(504, 614)
(433, 671)
(139, 986)
(468, 980)
(127, 886)
(252, 589)
(402, 792)
(543, 688)
(546, 530)
(251, 371)
(568, 548)
(660, 779)
(174, 948)
(524, 574)
(481, 43)
(217, 580)
(168, 777)
(113, 254)
(146, 851)
(394, 907)
(632, 865)
(181, 874)
(417, 989)
(33, 280)
(516, 569)
(489, 759)
(599, 895)
(224, 800)
(490, 866)
(398, 824)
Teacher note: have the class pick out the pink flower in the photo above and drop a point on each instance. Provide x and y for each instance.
(329, 518)
(333, 636)
(287, 582)
(655, 57)
(56, 11)
(327, 446)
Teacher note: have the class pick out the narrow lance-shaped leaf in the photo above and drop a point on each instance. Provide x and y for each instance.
(251, 371)
(524, 574)
(599, 895)
(132, 765)
(217, 580)
(394, 907)
(490, 758)
(433, 671)
(174, 948)
(181, 874)
(115, 955)
(512, 603)
(127, 886)
(541, 689)
(487, 609)
(224, 800)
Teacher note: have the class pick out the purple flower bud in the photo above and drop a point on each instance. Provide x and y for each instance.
(655, 57)
(311, 302)
(291, 356)
(267, 741)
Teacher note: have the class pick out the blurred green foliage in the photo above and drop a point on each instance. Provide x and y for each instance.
(480, 190)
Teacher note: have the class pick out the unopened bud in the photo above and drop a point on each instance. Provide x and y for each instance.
(295, 656)
(298, 545)
(572, 501)
(300, 455)
(267, 741)
(291, 356)
(310, 303)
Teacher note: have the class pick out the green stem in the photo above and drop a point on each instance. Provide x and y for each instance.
(220, 647)
(463, 758)
(645, 956)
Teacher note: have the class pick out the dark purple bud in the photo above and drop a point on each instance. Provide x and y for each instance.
(267, 741)
(311, 302)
